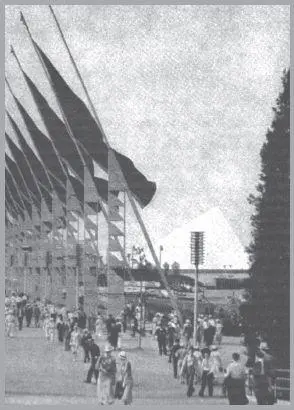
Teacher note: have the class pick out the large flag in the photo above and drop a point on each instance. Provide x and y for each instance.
(11, 193)
(35, 164)
(63, 142)
(25, 171)
(88, 134)
(57, 131)
(46, 153)
(9, 206)
(14, 171)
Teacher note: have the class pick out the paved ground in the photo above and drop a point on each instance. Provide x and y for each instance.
(38, 372)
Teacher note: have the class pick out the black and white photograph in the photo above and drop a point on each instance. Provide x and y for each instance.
(147, 204)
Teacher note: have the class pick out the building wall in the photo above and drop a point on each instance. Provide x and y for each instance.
(208, 277)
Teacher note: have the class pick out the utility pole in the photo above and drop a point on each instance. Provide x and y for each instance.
(197, 258)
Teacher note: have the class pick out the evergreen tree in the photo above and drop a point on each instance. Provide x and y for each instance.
(269, 251)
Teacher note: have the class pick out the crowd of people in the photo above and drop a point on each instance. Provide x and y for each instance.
(69, 328)
(201, 363)
(193, 364)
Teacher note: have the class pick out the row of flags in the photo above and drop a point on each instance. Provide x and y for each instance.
(65, 161)
(60, 156)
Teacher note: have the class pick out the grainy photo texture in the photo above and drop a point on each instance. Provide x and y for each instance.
(147, 204)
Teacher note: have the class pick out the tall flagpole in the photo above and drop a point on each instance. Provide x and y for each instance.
(130, 197)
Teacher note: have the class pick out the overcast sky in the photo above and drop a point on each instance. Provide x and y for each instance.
(185, 91)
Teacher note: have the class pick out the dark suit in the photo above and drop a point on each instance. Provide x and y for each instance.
(95, 353)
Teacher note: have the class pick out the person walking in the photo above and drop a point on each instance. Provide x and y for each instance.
(51, 329)
(161, 339)
(28, 314)
(106, 367)
(126, 378)
(10, 323)
(180, 355)
(109, 321)
(46, 326)
(198, 370)
(75, 341)
(207, 377)
(86, 345)
(188, 370)
(134, 326)
(217, 361)
(262, 380)
(82, 319)
(154, 326)
(235, 382)
(60, 328)
(36, 315)
(173, 357)
(20, 314)
(170, 335)
(113, 335)
(218, 332)
(209, 334)
(177, 327)
(67, 335)
(95, 354)
(99, 326)
(187, 332)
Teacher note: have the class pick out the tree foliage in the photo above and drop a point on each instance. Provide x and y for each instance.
(269, 251)
(175, 268)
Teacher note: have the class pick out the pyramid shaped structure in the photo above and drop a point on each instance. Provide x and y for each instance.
(221, 245)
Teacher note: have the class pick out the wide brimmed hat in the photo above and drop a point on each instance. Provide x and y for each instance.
(123, 355)
(108, 348)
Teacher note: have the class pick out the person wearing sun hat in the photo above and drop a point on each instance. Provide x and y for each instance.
(188, 370)
(106, 367)
(126, 378)
(198, 368)
(187, 332)
(75, 341)
(216, 358)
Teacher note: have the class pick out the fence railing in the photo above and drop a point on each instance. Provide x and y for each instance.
(282, 384)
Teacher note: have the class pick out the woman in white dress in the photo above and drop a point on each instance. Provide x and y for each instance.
(75, 342)
(106, 367)
(126, 378)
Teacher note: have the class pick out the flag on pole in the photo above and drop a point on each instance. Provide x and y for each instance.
(14, 171)
(25, 170)
(88, 134)
(11, 193)
(34, 163)
(57, 130)
(46, 153)
(63, 142)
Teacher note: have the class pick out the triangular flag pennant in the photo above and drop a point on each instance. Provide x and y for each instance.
(114, 200)
(115, 216)
(115, 246)
(114, 230)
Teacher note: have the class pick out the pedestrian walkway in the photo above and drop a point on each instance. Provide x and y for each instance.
(46, 374)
